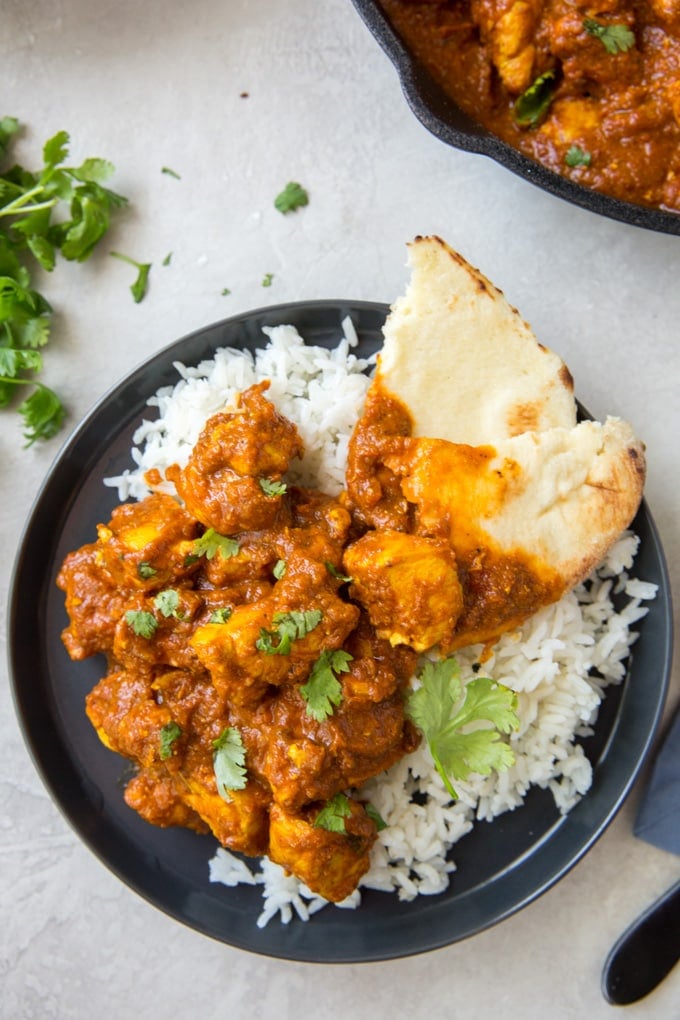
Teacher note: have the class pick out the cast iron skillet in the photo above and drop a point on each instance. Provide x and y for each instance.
(440, 115)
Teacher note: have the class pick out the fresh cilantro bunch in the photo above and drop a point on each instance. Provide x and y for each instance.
(451, 716)
(58, 209)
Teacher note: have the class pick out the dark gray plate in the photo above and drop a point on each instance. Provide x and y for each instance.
(440, 115)
(502, 866)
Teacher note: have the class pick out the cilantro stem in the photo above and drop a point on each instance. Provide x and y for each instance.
(21, 203)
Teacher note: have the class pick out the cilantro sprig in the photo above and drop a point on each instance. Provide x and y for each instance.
(288, 627)
(229, 762)
(141, 622)
(333, 814)
(444, 707)
(171, 732)
(532, 106)
(210, 544)
(56, 210)
(615, 38)
(139, 286)
(323, 690)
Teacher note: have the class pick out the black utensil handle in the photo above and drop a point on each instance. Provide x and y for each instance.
(645, 953)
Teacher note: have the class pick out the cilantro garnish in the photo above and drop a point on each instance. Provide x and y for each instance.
(271, 487)
(289, 627)
(142, 623)
(145, 571)
(532, 105)
(614, 38)
(333, 814)
(170, 172)
(437, 710)
(279, 569)
(375, 817)
(267, 279)
(229, 760)
(167, 603)
(323, 690)
(139, 287)
(210, 543)
(576, 156)
(291, 198)
(57, 209)
(171, 732)
(334, 572)
(221, 615)
(167, 260)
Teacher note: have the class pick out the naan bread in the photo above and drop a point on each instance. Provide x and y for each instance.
(480, 449)
(463, 360)
(557, 499)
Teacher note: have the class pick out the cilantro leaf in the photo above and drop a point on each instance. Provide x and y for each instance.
(532, 106)
(291, 198)
(576, 156)
(614, 38)
(289, 627)
(8, 127)
(167, 603)
(334, 572)
(333, 814)
(323, 690)
(271, 487)
(220, 615)
(43, 414)
(143, 624)
(229, 761)
(375, 817)
(210, 543)
(171, 732)
(267, 279)
(437, 710)
(279, 570)
(139, 287)
(145, 571)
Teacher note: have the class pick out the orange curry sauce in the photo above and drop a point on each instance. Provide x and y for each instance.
(611, 121)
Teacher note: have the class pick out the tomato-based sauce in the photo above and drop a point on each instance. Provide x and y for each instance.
(590, 91)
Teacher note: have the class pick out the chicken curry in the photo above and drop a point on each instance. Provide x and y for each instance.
(590, 91)
(261, 637)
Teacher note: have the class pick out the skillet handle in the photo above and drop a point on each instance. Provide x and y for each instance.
(645, 953)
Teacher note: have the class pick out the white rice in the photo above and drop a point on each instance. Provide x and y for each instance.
(559, 663)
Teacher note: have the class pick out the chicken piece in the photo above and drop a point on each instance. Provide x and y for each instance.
(249, 652)
(144, 544)
(303, 760)
(155, 796)
(155, 629)
(230, 482)
(377, 669)
(253, 559)
(123, 710)
(242, 822)
(409, 586)
(509, 27)
(329, 863)
(94, 602)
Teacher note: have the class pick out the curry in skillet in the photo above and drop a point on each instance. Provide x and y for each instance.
(591, 91)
